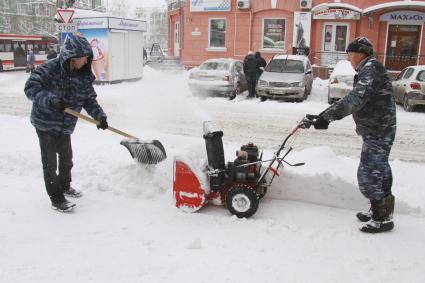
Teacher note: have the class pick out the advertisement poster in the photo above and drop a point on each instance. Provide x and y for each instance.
(209, 5)
(98, 39)
(302, 33)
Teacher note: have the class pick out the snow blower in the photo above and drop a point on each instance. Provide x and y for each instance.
(146, 152)
(239, 185)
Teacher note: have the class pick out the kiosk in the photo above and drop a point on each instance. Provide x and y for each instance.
(117, 46)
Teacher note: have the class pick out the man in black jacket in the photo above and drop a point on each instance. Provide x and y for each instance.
(64, 82)
(250, 70)
(372, 104)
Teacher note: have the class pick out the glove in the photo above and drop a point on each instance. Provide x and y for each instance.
(321, 123)
(102, 124)
(57, 104)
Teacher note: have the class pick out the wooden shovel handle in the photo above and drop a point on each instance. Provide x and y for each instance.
(93, 121)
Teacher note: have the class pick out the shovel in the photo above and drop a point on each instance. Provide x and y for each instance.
(146, 152)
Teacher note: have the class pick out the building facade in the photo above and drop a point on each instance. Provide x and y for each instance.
(199, 30)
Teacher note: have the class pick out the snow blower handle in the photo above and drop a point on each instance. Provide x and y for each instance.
(308, 121)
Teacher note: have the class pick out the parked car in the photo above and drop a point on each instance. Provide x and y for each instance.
(286, 77)
(340, 81)
(409, 87)
(218, 76)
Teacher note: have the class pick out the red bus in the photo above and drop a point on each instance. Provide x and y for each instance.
(14, 49)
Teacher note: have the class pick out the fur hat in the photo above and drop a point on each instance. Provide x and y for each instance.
(360, 45)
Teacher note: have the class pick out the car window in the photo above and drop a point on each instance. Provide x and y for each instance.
(220, 66)
(408, 73)
(421, 76)
(238, 67)
(401, 75)
(285, 66)
(308, 66)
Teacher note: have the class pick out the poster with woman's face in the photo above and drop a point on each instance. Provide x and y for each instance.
(98, 39)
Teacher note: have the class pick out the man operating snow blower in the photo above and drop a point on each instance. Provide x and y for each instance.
(372, 104)
(64, 82)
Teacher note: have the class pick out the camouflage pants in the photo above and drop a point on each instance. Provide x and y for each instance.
(374, 173)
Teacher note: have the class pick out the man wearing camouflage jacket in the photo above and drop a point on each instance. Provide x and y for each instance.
(372, 104)
(64, 82)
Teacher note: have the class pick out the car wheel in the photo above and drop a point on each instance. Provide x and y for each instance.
(263, 98)
(236, 91)
(406, 105)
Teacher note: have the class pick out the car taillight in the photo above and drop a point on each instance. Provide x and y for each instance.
(227, 78)
(415, 86)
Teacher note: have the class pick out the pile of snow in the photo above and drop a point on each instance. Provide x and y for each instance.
(126, 228)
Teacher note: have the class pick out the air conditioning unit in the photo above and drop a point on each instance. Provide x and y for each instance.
(306, 4)
(243, 4)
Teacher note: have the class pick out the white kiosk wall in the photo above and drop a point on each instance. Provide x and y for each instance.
(117, 46)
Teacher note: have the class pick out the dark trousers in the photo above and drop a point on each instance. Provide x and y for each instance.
(374, 173)
(252, 83)
(56, 147)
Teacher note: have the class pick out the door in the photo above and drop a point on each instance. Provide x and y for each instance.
(334, 43)
(402, 46)
(177, 39)
(19, 54)
(117, 68)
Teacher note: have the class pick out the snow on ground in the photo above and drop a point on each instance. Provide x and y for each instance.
(126, 228)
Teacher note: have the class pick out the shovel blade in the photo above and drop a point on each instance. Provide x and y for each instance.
(146, 152)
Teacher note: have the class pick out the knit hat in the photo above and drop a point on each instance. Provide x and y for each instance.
(360, 45)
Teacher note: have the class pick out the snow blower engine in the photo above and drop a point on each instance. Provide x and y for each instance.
(239, 185)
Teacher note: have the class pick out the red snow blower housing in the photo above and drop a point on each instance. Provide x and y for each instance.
(239, 184)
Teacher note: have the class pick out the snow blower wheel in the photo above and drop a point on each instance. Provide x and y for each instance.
(242, 201)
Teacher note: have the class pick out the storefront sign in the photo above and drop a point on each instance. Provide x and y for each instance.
(196, 32)
(91, 23)
(336, 14)
(209, 5)
(302, 27)
(403, 16)
(125, 24)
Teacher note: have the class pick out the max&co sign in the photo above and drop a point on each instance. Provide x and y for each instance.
(403, 16)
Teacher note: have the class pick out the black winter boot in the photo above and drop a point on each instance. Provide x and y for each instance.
(62, 204)
(71, 192)
(382, 216)
(364, 216)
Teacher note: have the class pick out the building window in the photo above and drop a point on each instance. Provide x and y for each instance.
(274, 33)
(217, 33)
(335, 38)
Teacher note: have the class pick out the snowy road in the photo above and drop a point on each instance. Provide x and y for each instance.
(242, 120)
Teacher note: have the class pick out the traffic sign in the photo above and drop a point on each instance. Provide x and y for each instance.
(64, 36)
(65, 14)
(66, 27)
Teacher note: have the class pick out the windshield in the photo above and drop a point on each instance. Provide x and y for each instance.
(219, 65)
(285, 66)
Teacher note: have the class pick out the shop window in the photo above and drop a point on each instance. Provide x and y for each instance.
(274, 33)
(335, 37)
(217, 33)
(2, 48)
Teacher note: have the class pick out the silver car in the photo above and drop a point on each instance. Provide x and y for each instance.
(409, 87)
(286, 77)
(218, 76)
(340, 81)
